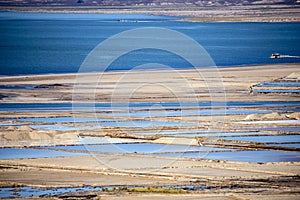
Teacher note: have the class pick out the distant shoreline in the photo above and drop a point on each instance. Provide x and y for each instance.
(231, 67)
(259, 13)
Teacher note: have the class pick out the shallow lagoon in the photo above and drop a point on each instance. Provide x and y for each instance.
(18, 107)
(138, 148)
(276, 91)
(15, 153)
(243, 156)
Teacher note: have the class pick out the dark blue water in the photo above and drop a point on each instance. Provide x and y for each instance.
(35, 43)
(279, 84)
(68, 106)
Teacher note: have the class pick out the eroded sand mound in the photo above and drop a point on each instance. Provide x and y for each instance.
(269, 116)
(294, 75)
(25, 128)
(25, 133)
(11, 128)
(295, 115)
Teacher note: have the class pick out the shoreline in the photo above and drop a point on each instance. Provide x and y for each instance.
(254, 13)
(231, 67)
(39, 151)
(139, 135)
(233, 82)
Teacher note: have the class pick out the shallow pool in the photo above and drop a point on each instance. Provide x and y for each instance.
(201, 112)
(17, 87)
(148, 123)
(84, 107)
(58, 127)
(243, 156)
(280, 84)
(14, 153)
(138, 148)
(69, 119)
(276, 91)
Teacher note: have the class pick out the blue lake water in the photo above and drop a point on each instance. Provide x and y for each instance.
(280, 84)
(35, 43)
(138, 148)
(14, 153)
(292, 145)
(101, 122)
(58, 119)
(207, 112)
(147, 105)
(60, 127)
(277, 91)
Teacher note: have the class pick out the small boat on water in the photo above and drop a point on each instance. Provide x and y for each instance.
(275, 55)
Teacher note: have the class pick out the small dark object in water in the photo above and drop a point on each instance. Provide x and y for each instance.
(275, 55)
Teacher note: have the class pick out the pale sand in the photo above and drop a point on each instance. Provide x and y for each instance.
(69, 178)
(218, 84)
(271, 180)
(178, 169)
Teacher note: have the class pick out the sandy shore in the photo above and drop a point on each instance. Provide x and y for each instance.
(220, 179)
(269, 180)
(217, 84)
